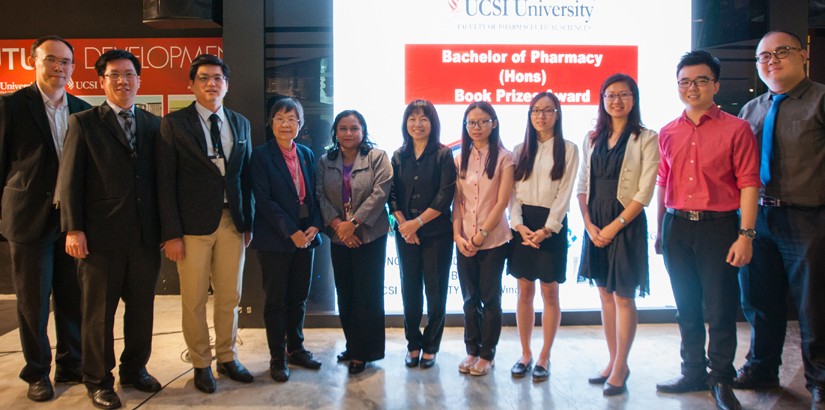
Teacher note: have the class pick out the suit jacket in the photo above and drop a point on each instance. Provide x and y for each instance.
(190, 186)
(28, 164)
(106, 190)
(276, 199)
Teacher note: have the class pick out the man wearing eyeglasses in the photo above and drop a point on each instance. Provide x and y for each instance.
(206, 209)
(109, 209)
(32, 129)
(789, 249)
(708, 172)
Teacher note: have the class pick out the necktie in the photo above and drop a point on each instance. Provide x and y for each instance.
(767, 138)
(127, 128)
(215, 134)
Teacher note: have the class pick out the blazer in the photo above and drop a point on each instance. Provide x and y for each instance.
(371, 180)
(106, 191)
(190, 186)
(276, 200)
(28, 164)
(637, 178)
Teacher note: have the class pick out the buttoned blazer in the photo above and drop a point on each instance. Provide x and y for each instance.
(190, 186)
(28, 164)
(106, 190)
(637, 178)
(371, 181)
(277, 205)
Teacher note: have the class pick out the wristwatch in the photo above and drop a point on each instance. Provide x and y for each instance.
(483, 232)
(354, 222)
(622, 220)
(748, 233)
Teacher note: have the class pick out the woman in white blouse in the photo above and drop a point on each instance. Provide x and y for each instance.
(545, 170)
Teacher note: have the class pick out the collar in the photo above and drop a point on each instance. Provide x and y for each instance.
(62, 103)
(117, 109)
(290, 153)
(712, 112)
(796, 92)
(206, 112)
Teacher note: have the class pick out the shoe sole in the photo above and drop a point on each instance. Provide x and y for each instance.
(677, 391)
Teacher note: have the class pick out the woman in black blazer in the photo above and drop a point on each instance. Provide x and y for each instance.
(287, 222)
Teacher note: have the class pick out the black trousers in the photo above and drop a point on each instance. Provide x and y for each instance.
(480, 279)
(694, 254)
(286, 279)
(42, 270)
(788, 256)
(106, 278)
(359, 282)
(425, 269)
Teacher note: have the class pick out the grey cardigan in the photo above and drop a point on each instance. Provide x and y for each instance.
(371, 181)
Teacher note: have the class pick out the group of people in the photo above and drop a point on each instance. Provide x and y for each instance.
(190, 183)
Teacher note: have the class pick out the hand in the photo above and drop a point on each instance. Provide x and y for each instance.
(595, 236)
(408, 228)
(541, 235)
(311, 233)
(299, 238)
(76, 244)
(657, 245)
(345, 229)
(247, 238)
(740, 252)
(609, 232)
(465, 247)
(352, 242)
(414, 240)
(173, 249)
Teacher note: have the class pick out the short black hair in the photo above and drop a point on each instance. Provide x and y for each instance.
(207, 59)
(699, 57)
(37, 43)
(112, 55)
(792, 35)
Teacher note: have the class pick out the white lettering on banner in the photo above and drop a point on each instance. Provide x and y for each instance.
(8, 87)
(539, 56)
(515, 96)
(536, 56)
(10, 53)
(447, 56)
(512, 76)
(156, 56)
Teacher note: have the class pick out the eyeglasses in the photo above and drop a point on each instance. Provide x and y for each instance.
(780, 53)
(479, 124)
(546, 111)
(217, 78)
(624, 96)
(117, 76)
(281, 121)
(699, 82)
(63, 62)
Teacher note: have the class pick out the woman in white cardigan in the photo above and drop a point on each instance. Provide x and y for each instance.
(616, 182)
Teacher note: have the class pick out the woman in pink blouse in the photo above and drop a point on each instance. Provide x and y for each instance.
(481, 232)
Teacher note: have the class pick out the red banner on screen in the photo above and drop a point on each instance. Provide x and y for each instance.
(512, 74)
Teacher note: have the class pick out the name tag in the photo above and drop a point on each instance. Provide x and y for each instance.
(220, 163)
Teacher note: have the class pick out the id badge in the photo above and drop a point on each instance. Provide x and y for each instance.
(303, 211)
(220, 163)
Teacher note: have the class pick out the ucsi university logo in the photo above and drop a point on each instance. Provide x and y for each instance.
(558, 9)
(82, 85)
(453, 6)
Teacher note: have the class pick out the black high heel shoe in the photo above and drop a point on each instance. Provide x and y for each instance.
(356, 367)
(412, 361)
(611, 390)
(427, 363)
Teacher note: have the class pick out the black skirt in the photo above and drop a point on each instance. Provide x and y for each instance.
(548, 263)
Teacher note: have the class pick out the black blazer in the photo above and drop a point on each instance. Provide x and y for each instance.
(28, 164)
(105, 190)
(432, 176)
(190, 186)
(276, 199)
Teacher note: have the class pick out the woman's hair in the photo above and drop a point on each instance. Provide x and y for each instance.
(604, 123)
(527, 156)
(494, 141)
(366, 144)
(428, 109)
(287, 105)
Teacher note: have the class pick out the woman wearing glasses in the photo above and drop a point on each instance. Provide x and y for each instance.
(286, 232)
(544, 174)
(616, 182)
(422, 192)
(481, 233)
(353, 184)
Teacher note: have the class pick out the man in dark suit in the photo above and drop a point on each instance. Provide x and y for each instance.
(109, 210)
(206, 211)
(32, 128)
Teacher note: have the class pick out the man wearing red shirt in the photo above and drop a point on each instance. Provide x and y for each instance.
(708, 171)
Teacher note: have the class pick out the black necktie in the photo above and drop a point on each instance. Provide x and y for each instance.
(127, 128)
(215, 134)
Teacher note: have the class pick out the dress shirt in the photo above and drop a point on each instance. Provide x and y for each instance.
(291, 159)
(478, 194)
(705, 166)
(58, 115)
(798, 167)
(226, 131)
(540, 190)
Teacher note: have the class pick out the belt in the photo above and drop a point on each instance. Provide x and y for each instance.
(700, 215)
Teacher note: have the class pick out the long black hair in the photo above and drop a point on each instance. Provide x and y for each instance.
(365, 146)
(428, 109)
(494, 141)
(604, 123)
(527, 156)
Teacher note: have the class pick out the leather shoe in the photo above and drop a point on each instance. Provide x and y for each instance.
(356, 367)
(818, 398)
(204, 380)
(427, 363)
(483, 370)
(104, 398)
(541, 373)
(747, 377)
(304, 359)
(412, 361)
(598, 379)
(235, 371)
(343, 356)
(683, 385)
(725, 399)
(520, 369)
(141, 380)
(613, 390)
(279, 371)
(467, 364)
(69, 375)
(41, 390)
